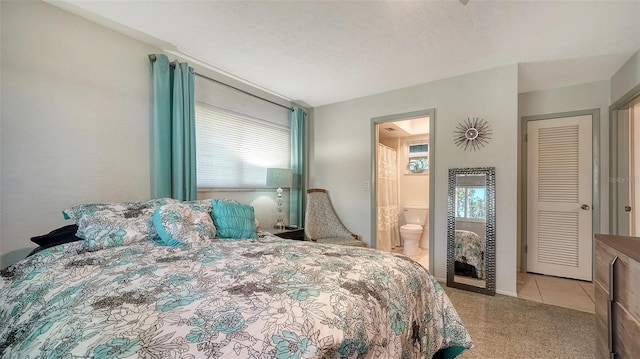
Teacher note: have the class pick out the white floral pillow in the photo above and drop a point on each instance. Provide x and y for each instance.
(184, 222)
(104, 225)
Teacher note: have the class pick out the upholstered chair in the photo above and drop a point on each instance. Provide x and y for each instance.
(322, 224)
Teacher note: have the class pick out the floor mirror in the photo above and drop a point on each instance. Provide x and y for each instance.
(471, 229)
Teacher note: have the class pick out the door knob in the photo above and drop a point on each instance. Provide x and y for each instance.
(627, 208)
(585, 207)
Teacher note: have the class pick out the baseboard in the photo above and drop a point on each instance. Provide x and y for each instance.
(510, 294)
(443, 282)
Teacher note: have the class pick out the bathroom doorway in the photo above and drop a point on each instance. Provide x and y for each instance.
(401, 177)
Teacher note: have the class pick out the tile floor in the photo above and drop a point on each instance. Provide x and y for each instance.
(567, 293)
(422, 257)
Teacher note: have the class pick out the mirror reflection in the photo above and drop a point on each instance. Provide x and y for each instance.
(471, 229)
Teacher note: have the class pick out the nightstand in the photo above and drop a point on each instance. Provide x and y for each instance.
(296, 234)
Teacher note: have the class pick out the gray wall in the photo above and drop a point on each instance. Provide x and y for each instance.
(626, 78)
(341, 158)
(75, 121)
(74, 128)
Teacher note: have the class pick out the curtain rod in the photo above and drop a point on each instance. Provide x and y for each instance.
(152, 57)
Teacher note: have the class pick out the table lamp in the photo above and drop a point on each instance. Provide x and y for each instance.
(279, 177)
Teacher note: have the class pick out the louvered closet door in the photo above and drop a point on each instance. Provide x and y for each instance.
(559, 189)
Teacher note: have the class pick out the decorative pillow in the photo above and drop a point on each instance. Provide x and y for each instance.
(104, 225)
(58, 236)
(184, 222)
(233, 220)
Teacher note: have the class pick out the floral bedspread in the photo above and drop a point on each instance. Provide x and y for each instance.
(470, 250)
(265, 298)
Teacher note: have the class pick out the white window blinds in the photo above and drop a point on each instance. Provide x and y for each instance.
(235, 150)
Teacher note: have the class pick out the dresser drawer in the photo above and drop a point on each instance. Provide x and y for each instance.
(626, 331)
(604, 255)
(602, 329)
(627, 277)
(626, 334)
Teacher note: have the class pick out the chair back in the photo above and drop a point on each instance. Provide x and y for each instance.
(321, 220)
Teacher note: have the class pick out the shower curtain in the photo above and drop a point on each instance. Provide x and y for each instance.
(388, 235)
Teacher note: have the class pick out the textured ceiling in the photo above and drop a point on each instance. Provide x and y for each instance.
(322, 52)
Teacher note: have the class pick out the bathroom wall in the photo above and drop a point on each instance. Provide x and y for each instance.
(389, 141)
(413, 188)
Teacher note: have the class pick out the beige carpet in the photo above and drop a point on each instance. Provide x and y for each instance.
(507, 327)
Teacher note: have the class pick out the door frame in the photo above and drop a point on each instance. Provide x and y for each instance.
(595, 185)
(431, 113)
(615, 172)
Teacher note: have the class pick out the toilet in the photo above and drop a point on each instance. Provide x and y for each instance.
(415, 217)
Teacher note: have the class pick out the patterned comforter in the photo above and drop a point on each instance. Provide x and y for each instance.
(469, 249)
(265, 298)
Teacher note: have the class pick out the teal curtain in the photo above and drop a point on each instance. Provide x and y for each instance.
(298, 127)
(173, 159)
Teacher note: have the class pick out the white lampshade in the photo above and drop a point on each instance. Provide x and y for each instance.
(279, 177)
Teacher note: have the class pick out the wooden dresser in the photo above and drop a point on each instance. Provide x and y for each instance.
(617, 291)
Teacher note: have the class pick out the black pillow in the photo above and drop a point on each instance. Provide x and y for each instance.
(58, 236)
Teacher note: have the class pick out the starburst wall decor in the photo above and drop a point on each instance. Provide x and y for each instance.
(472, 134)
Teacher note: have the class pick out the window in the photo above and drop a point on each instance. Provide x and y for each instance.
(418, 157)
(470, 202)
(235, 150)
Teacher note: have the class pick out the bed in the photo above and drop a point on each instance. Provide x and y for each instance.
(261, 297)
(469, 254)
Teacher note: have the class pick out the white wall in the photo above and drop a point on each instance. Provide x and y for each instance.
(341, 160)
(75, 119)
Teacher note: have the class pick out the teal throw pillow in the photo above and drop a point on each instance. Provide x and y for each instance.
(233, 220)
